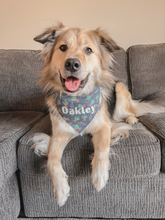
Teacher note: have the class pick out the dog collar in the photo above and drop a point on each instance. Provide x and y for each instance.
(78, 111)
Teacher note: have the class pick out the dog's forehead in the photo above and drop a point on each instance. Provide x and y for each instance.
(78, 35)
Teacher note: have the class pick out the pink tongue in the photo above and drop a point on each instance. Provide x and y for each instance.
(72, 83)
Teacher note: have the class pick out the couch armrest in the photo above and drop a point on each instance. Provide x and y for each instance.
(156, 124)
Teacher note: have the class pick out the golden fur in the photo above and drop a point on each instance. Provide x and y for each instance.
(94, 72)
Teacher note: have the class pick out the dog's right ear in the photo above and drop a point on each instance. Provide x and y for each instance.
(47, 36)
(48, 39)
(50, 34)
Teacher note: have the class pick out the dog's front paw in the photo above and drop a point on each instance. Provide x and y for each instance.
(100, 174)
(41, 143)
(131, 120)
(61, 190)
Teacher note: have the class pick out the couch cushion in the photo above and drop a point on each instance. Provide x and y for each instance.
(120, 65)
(70, 218)
(12, 127)
(20, 71)
(135, 163)
(147, 69)
(137, 197)
(156, 124)
(137, 155)
(19, 74)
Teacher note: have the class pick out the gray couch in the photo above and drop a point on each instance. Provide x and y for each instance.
(136, 187)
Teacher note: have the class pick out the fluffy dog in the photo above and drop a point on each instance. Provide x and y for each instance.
(77, 66)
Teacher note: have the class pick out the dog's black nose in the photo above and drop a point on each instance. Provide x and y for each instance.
(72, 65)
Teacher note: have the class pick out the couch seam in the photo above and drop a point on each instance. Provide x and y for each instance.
(110, 177)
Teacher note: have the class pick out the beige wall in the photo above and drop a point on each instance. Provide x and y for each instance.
(129, 22)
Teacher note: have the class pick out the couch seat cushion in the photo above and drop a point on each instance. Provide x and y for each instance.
(147, 69)
(137, 155)
(12, 127)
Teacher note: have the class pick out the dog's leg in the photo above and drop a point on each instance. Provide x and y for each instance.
(100, 162)
(58, 175)
(124, 109)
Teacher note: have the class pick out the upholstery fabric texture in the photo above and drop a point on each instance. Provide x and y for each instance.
(9, 199)
(137, 197)
(135, 164)
(120, 65)
(156, 124)
(12, 127)
(20, 73)
(147, 69)
(73, 219)
(137, 155)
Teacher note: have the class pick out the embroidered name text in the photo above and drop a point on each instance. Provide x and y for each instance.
(78, 111)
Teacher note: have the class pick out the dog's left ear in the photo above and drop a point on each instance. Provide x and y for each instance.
(107, 41)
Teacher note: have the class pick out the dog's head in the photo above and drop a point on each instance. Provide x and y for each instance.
(76, 60)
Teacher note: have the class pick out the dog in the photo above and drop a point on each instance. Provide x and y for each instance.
(78, 67)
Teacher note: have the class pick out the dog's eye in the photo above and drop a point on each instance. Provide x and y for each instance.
(63, 48)
(88, 50)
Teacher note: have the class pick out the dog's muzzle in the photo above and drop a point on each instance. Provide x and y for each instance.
(72, 82)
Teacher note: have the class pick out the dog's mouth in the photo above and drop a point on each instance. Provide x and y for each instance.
(73, 84)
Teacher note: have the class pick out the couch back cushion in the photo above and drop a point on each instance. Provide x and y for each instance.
(120, 65)
(19, 74)
(147, 69)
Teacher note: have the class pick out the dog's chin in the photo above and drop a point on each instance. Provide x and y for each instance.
(78, 88)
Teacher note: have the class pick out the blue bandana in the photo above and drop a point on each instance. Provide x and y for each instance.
(78, 111)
